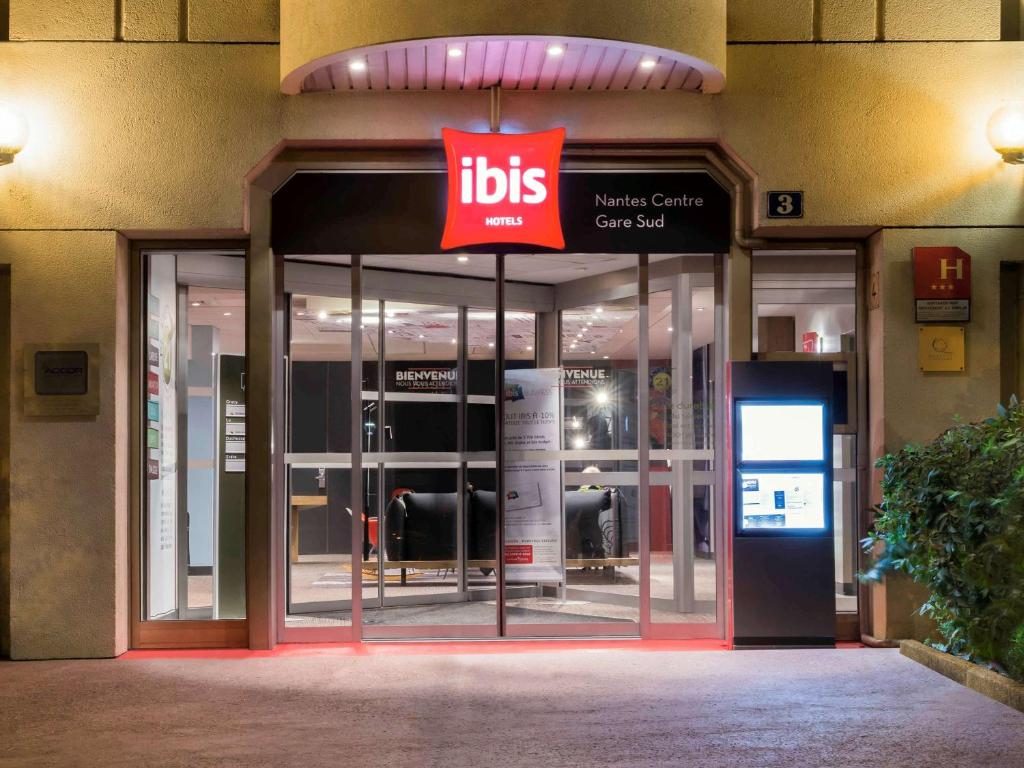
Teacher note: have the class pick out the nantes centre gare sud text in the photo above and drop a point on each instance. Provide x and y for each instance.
(640, 220)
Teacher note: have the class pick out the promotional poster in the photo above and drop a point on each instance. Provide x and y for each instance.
(533, 489)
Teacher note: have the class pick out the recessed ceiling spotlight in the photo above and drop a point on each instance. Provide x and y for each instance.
(605, 357)
(455, 341)
(599, 310)
(422, 336)
(391, 331)
(670, 329)
(389, 313)
(529, 349)
(590, 322)
(593, 352)
(197, 303)
(227, 314)
(572, 346)
(647, 63)
(321, 315)
(357, 65)
(454, 52)
(490, 343)
(555, 50)
(300, 313)
(462, 259)
(700, 309)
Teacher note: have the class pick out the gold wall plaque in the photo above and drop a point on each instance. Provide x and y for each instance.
(941, 348)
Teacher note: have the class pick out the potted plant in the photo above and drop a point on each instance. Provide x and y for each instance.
(952, 518)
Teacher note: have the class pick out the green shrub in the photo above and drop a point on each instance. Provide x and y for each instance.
(952, 517)
(1013, 659)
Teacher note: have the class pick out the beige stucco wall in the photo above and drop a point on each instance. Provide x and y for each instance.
(849, 20)
(149, 20)
(68, 498)
(875, 134)
(920, 405)
(159, 136)
(374, 21)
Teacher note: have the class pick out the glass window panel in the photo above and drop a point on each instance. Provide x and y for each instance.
(572, 533)
(684, 557)
(194, 503)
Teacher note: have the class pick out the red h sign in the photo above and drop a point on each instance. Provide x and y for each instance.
(942, 284)
(502, 188)
(942, 273)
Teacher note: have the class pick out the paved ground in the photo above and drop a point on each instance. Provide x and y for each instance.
(587, 707)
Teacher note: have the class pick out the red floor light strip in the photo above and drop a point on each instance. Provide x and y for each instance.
(436, 648)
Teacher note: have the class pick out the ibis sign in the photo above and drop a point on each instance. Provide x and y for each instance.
(503, 188)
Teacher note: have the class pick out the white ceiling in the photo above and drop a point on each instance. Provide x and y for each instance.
(543, 268)
(525, 63)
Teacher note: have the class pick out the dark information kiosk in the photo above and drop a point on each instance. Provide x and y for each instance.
(783, 592)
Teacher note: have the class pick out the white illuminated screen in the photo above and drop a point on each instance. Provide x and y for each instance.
(782, 432)
(783, 500)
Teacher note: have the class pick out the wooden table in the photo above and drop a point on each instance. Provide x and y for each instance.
(298, 502)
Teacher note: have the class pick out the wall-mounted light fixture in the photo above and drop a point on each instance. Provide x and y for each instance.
(1006, 133)
(13, 133)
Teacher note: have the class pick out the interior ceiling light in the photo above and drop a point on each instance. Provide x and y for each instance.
(339, 320)
(555, 50)
(647, 63)
(227, 314)
(321, 315)
(357, 65)
(599, 310)
(462, 259)
(455, 52)
(197, 303)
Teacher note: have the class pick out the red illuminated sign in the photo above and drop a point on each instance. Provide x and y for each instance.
(942, 284)
(502, 188)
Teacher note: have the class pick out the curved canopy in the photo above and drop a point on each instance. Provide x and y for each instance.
(580, 45)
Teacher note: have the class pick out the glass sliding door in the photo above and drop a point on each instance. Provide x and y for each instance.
(429, 490)
(572, 431)
(320, 557)
(606, 512)
(686, 522)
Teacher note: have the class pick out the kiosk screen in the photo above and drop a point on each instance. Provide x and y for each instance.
(786, 500)
(782, 432)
